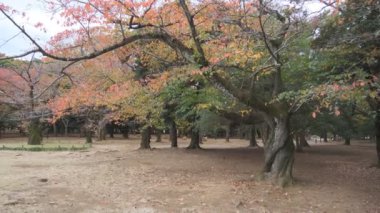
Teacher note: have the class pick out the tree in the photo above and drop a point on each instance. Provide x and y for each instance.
(253, 35)
(26, 87)
(351, 36)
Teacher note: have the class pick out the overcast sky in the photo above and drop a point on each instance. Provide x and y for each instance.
(36, 13)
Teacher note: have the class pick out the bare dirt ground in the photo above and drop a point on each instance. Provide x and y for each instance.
(115, 177)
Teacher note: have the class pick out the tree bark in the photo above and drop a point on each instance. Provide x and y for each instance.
(325, 136)
(66, 126)
(173, 134)
(303, 141)
(299, 147)
(252, 138)
(125, 131)
(279, 153)
(158, 135)
(145, 137)
(34, 132)
(111, 129)
(88, 135)
(102, 129)
(347, 141)
(194, 143)
(55, 130)
(228, 133)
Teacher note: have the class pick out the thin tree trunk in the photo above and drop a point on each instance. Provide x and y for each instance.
(228, 133)
(145, 137)
(111, 129)
(35, 132)
(173, 134)
(194, 143)
(55, 130)
(66, 126)
(279, 153)
(252, 138)
(298, 143)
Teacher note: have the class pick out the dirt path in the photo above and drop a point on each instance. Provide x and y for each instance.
(115, 177)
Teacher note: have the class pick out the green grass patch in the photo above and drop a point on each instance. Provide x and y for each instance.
(44, 147)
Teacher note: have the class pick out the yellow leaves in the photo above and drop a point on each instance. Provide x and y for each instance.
(204, 106)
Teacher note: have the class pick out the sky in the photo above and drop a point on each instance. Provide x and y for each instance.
(12, 42)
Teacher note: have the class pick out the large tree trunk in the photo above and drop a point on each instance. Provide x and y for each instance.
(173, 134)
(194, 143)
(34, 132)
(347, 141)
(279, 153)
(145, 137)
(252, 139)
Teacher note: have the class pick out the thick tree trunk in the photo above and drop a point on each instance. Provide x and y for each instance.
(279, 154)
(347, 141)
(145, 137)
(194, 143)
(34, 132)
(252, 138)
(173, 134)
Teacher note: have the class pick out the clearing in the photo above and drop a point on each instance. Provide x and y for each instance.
(113, 176)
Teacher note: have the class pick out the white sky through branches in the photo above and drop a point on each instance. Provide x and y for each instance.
(12, 42)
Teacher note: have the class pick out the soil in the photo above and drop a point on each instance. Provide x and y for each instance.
(114, 176)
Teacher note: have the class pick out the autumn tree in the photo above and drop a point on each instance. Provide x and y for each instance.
(239, 46)
(350, 36)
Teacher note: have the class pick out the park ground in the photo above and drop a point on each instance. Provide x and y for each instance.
(113, 176)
